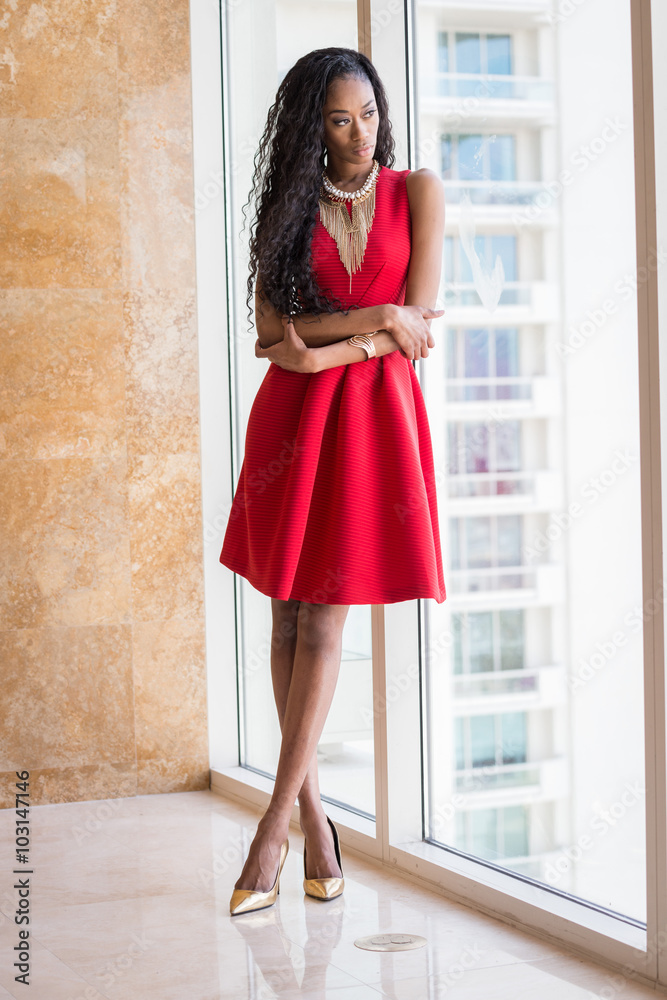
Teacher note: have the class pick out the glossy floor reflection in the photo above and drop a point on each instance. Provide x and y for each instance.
(130, 902)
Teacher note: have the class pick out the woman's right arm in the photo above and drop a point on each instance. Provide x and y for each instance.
(333, 355)
(407, 324)
(292, 353)
(317, 330)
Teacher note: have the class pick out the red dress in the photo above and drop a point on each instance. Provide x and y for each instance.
(336, 501)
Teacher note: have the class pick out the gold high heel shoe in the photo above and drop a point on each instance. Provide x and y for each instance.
(244, 900)
(324, 888)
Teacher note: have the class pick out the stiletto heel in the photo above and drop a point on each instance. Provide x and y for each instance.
(324, 888)
(244, 900)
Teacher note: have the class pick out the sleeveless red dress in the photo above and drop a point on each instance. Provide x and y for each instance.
(336, 501)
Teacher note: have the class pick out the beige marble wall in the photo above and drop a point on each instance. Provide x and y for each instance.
(101, 565)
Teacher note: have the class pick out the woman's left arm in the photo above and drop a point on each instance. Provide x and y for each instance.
(427, 213)
(426, 195)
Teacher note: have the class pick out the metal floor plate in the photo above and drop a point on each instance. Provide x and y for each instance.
(391, 942)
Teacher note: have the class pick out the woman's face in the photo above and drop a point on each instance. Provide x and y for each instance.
(350, 122)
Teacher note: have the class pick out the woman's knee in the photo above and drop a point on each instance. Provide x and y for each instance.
(284, 617)
(284, 609)
(321, 624)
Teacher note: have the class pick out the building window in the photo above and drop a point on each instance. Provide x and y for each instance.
(478, 452)
(483, 363)
(494, 834)
(477, 157)
(483, 549)
(483, 53)
(491, 740)
(486, 247)
(488, 641)
(474, 55)
(470, 271)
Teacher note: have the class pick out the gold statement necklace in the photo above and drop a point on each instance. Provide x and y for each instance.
(349, 232)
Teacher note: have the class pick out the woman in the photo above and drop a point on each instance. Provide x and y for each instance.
(335, 503)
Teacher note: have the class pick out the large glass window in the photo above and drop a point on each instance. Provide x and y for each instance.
(520, 700)
(533, 401)
(265, 38)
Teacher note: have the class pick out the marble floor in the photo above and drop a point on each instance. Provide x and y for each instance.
(130, 901)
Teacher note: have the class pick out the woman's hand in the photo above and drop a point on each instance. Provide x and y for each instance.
(409, 328)
(289, 353)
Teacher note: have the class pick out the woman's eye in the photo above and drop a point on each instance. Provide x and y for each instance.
(344, 121)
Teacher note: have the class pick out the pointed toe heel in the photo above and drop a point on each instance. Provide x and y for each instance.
(245, 900)
(324, 888)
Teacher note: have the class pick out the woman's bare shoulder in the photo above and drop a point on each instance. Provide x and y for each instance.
(426, 198)
(425, 190)
(424, 183)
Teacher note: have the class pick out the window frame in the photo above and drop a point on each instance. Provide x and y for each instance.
(397, 838)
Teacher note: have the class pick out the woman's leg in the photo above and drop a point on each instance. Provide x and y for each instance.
(321, 851)
(312, 684)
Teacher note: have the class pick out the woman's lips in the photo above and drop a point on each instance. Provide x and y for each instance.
(362, 150)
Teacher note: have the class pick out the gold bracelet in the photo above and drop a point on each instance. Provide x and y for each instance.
(357, 341)
(367, 338)
(369, 344)
(362, 340)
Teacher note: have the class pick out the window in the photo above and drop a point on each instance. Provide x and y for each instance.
(474, 54)
(481, 264)
(509, 698)
(478, 452)
(489, 641)
(491, 740)
(345, 752)
(494, 833)
(527, 433)
(484, 364)
(482, 547)
(481, 53)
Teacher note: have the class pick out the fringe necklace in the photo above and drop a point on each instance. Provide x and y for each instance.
(350, 233)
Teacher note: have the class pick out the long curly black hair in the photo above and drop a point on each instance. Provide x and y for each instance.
(287, 177)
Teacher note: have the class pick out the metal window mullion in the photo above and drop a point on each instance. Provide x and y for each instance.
(364, 42)
(651, 490)
(411, 83)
